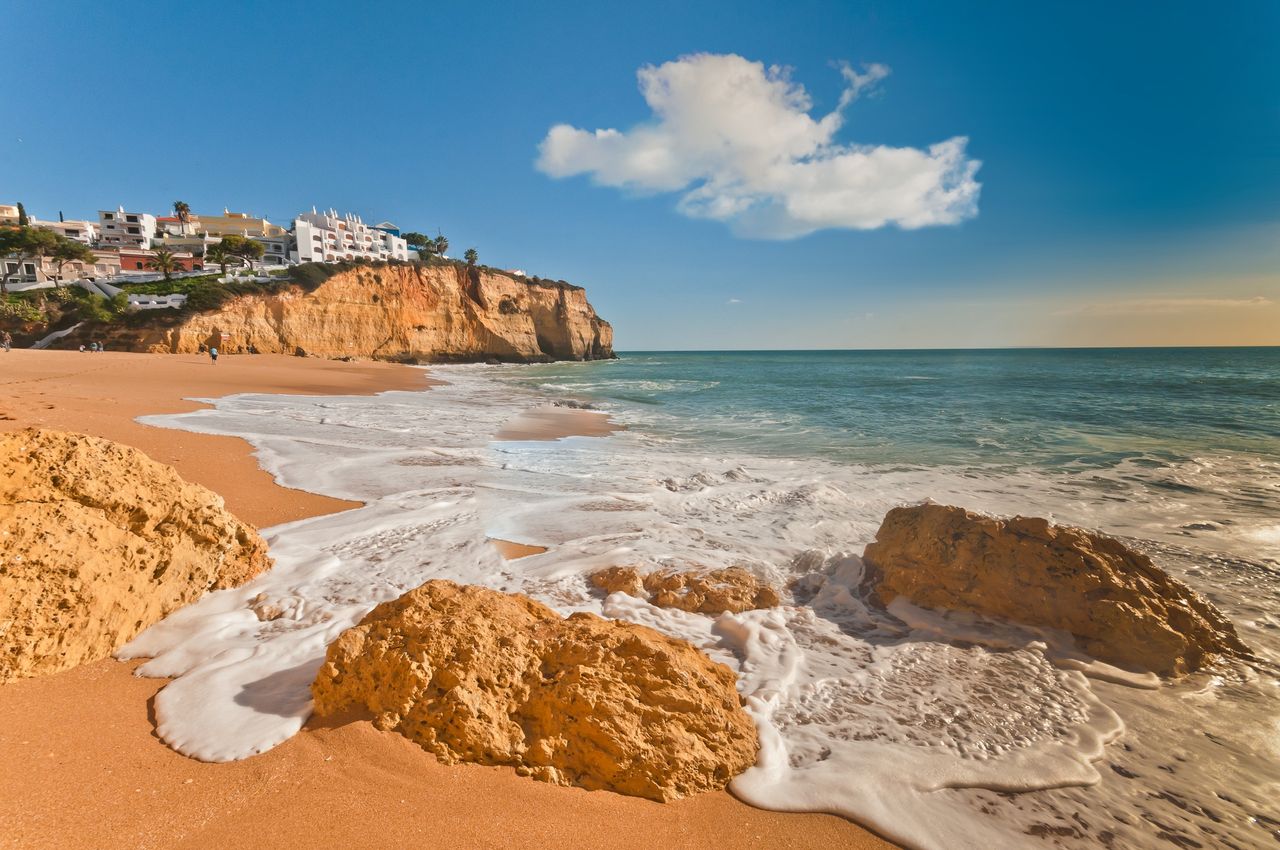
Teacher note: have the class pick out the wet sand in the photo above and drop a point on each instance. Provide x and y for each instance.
(82, 768)
(556, 423)
(102, 394)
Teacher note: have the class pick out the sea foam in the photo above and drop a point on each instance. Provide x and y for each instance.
(938, 732)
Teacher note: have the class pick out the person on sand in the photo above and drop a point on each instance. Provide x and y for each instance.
(213, 355)
(6, 341)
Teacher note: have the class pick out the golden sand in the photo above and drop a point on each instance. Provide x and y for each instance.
(82, 767)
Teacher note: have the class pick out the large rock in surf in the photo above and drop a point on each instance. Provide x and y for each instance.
(99, 541)
(1120, 607)
(475, 675)
(710, 592)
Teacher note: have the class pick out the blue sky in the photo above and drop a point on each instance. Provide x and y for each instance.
(1129, 178)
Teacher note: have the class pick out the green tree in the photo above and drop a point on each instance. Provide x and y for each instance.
(242, 248)
(219, 254)
(417, 240)
(23, 220)
(442, 244)
(23, 244)
(182, 210)
(472, 257)
(70, 251)
(163, 261)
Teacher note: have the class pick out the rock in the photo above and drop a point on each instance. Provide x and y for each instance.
(711, 592)
(403, 313)
(475, 675)
(97, 542)
(1120, 607)
(626, 580)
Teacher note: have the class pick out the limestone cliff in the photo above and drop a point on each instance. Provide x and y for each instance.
(403, 311)
(1119, 606)
(475, 675)
(99, 541)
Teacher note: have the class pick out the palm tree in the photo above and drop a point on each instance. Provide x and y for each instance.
(442, 244)
(472, 257)
(183, 211)
(163, 261)
(219, 254)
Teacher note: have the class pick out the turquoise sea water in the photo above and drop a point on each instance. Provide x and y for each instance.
(1051, 408)
(920, 725)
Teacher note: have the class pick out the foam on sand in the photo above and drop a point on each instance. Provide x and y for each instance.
(914, 724)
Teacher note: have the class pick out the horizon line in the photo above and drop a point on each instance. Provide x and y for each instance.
(941, 348)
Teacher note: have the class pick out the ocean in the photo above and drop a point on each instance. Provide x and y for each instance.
(938, 732)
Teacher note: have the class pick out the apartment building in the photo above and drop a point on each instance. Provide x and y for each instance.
(227, 224)
(126, 229)
(81, 231)
(45, 271)
(328, 238)
(276, 250)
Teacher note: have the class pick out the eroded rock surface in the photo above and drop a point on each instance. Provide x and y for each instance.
(99, 541)
(1120, 607)
(389, 312)
(711, 592)
(475, 675)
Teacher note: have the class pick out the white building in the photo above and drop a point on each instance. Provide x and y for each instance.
(126, 229)
(81, 231)
(328, 238)
(276, 250)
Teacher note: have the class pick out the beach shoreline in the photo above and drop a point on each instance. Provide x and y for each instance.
(94, 773)
(103, 394)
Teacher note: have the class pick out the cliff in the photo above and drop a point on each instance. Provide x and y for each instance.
(405, 311)
(99, 541)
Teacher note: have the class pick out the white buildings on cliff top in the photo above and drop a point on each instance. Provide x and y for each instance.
(326, 237)
(120, 229)
(321, 237)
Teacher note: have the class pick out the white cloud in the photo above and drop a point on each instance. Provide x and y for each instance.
(736, 138)
(1165, 305)
(734, 301)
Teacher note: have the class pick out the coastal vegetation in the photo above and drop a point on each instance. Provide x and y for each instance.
(163, 261)
(27, 244)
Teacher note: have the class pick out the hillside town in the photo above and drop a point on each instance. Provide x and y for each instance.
(124, 245)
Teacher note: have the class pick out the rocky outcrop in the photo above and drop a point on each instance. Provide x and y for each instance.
(1120, 607)
(97, 542)
(711, 592)
(475, 675)
(404, 311)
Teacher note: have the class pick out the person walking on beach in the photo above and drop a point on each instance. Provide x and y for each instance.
(213, 355)
(7, 341)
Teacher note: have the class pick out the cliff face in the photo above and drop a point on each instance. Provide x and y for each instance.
(394, 312)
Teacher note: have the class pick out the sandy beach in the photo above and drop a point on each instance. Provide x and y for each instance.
(85, 768)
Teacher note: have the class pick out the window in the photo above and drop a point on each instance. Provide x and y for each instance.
(109, 216)
(29, 268)
(10, 268)
(135, 231)
(132, 219)
(139, 265)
